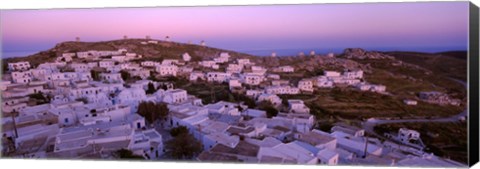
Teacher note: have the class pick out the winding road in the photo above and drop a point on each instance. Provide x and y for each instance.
(371, 123)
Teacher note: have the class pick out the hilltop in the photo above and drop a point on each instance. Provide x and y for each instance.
(160, 51)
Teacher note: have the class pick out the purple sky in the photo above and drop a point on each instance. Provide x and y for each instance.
(403, 26)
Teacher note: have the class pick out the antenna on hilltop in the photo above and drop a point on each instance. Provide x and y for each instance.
(125, 37)
(77, 39)
(147, 37)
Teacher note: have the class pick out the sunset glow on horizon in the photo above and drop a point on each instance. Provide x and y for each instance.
(406, 26)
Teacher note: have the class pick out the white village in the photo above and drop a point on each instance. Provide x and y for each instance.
(113, 102)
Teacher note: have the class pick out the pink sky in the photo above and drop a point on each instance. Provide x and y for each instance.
(248, 27)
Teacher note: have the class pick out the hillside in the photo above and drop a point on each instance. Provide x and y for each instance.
(162, 50)
(450, 64)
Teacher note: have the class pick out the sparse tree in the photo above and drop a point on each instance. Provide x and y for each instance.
(176, 131)
(183, 146)
(151, 88)
(269, 108)
(152, 111)
(126, 154)
(95, 75)
(125, 75)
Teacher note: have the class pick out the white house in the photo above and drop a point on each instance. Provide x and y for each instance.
(370, 87)
(280, 82)
(194, 76)
(331, 73)
(119, 58)
(16, 66)
(186, 57)
(297, 106)
(147, 143)
(207, 63)
(410, 102)
(324, 82)
(305, 85)
(285, 69)
(407, 136)
(167, 70)
(272, 98)
(222, 58)
(217, 76)
(22, 77)
(234, 83)
(131, 97)
(213, 139)
(106, 63)
(80, 67)
(152, 42)
(353, 74)
(254, 93)
(149, 64)
(328, 157)
(223, 107)
(234, 68)
(175, 96)
(243, 61)
(258, 70)
(273, 76)
(282, 89)
(40, 74)
(351, 130)
(254, 113)
(111, 77)
(169, 61)
(143, 74)
(253, 79)
(74, 141)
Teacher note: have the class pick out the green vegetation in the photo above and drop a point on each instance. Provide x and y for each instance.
(353, 104)
(126, 154)
(153, 111)
(183, 146)
(443, 139)
(82, 99)
(95, 75)
(125, 75)
(150, 89)
(269, 108)
(40, 98)
(176, 131)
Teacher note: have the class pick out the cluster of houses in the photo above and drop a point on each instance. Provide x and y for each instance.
(88, 117)
(436, 97)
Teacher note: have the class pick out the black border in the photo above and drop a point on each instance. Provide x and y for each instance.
(473, 56)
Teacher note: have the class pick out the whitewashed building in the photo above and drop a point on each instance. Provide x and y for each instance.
(167, 70)
(253, 79)
(297, 106)
(174, 96)
(272, 98)
(111, 77)
(410, 102)
(194, 76)
(305, 85)
(217, 76)
(106, 63)
(331, 73)
(17, 66)
(186, 57)
(407, 136)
